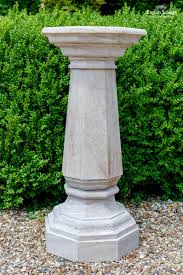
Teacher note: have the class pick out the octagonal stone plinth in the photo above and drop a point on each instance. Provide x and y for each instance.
(90, 225)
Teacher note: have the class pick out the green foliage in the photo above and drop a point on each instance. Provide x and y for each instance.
(104, 6)
(73, 4)
(31, 5)
(33, 100)
(150, 85)
(110, 6)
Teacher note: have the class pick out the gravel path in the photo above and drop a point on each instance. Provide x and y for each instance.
(22, 249)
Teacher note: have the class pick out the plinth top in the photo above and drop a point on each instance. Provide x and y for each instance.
(93, 41)
(93, 29)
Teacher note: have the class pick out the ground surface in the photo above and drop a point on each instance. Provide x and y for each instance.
(22, 244)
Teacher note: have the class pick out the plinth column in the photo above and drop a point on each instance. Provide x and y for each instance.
(91, 225)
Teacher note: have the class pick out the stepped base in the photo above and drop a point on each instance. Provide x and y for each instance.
(91, 237)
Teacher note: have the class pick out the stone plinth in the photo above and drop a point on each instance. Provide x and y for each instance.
(91, 225)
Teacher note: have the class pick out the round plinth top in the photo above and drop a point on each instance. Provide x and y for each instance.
(93, 30)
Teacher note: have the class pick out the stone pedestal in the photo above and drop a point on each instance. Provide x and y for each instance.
(91, 225)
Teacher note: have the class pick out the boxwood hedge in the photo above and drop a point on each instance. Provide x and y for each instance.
(33, 100)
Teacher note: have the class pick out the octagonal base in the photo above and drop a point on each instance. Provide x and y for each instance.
(91, 239)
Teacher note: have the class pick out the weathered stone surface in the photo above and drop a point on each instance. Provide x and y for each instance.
(91, 225)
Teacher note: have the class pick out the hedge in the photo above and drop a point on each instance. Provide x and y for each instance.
(104, 6)
(34, 82)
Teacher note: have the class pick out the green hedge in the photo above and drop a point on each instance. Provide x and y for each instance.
(33, 100)
(104, 6)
